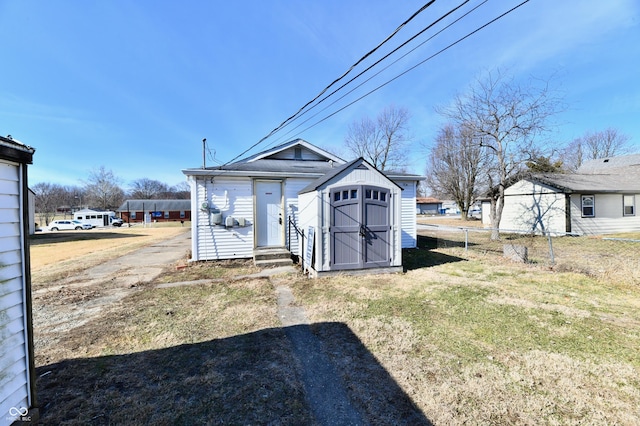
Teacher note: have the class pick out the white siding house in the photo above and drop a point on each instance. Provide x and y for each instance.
(255, 202)
(17, 381)
(600, 198)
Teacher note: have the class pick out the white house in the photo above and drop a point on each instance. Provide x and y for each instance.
(600, 198)
(254, 203)
(17, 371)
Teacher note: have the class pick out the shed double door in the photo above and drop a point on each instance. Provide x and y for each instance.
(360, 227)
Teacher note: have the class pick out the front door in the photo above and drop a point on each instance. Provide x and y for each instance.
(360, 227)
(269, 227)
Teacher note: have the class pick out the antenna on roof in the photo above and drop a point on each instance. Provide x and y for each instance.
(204, 153)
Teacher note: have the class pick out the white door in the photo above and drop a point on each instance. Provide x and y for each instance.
(269, 220)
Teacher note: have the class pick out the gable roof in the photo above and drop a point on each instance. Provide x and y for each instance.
(276, 163)
(610, 164)
(269, 164)
(628, 182)
(292, 144)
(344, 169)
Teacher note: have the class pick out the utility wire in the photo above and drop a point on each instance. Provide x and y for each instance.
(415, 66)
(424, 7)
(383, 69)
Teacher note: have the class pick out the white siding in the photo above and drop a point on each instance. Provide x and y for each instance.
(533, 207)
(409, 239)
(292, 187)
(14, 380)
(608, 216)
(233, 197)
(308, 205)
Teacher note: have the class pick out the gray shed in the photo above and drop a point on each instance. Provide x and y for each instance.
(352, 220)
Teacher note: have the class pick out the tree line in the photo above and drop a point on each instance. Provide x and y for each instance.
(102, 190)
(493, 133)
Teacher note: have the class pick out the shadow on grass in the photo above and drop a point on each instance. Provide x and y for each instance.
(246, 379)
(64, 236)
(423, 256)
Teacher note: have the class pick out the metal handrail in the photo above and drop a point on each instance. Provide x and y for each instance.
(300, 233)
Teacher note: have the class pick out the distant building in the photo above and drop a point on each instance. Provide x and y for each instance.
(428, 205)
(155, 211)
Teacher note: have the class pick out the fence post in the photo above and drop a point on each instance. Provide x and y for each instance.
(466, 239)
(553, 262)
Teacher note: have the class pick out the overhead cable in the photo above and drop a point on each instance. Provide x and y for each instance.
(423, 8)
(386, 67)
(415, 66)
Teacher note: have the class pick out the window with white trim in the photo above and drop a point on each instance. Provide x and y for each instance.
(588, 206)
(629, 205)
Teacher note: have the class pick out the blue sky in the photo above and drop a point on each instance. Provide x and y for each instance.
(136, 86)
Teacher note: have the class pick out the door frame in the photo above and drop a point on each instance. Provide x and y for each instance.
(257, 222)
(366, 231)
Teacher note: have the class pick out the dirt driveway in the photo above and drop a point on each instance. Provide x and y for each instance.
(73, 301)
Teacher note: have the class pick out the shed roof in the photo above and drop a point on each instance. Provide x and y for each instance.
(358, 162)
(155, 205)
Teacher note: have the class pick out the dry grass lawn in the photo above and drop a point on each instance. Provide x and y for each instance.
(468, 338)
(58, 254)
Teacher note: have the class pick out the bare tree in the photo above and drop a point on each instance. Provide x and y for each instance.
(48, 196)
(148, 189)
(504, 118)
(454, 166)
(594, 145)
(102, 189)
(383, 141)
(181, 191)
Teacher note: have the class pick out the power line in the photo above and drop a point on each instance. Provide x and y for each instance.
(388, 66)
(415, 66)
(423, 8)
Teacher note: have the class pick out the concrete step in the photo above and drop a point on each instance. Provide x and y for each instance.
(271, 253)
(273, 263)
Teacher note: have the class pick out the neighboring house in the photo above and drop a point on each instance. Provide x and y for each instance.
(600, 198)
(155, 211)
(97, 218)
(258, 202)
(428, 205)
(17, 370)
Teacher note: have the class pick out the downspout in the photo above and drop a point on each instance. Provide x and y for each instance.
(567, 213)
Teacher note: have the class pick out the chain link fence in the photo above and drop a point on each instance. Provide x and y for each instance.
(602, 257)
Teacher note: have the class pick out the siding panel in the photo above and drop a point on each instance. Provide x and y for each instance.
(408, 218)
(233, 197)
(291, 189)
(14, 380)
(608, 216)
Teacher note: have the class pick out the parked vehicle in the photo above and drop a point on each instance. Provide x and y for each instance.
(59, 225)
(116, 221)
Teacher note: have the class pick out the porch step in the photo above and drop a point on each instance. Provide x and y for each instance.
(272, 257)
